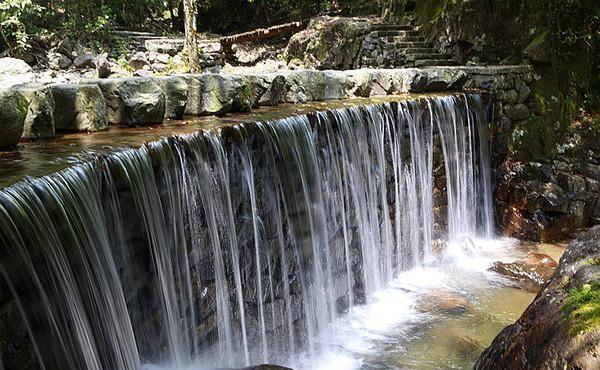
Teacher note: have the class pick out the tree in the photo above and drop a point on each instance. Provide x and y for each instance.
(190, 11)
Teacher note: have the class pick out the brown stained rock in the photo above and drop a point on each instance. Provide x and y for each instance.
(529, 277)
(444, 302)
(547, 335)
(539, 259)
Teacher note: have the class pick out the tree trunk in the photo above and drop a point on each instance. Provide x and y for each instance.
(172, 14)
(191, 40)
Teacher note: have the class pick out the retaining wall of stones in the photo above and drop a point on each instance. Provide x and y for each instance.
(93, 104)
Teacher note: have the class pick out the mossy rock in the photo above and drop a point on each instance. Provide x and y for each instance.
(582, 308)
(13, 111)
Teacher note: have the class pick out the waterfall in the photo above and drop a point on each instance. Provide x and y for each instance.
(239, 245)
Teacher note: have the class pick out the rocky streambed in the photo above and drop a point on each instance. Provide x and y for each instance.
(561, 328)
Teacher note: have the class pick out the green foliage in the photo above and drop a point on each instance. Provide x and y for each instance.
(583, 308)
(13, 17)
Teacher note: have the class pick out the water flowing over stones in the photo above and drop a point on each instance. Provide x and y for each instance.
(239, 245)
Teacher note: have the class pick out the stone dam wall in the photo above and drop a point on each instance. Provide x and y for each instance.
(95, 104)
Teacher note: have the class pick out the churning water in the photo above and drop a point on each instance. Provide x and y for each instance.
(292, 241)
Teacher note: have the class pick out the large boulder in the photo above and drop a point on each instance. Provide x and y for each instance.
(304, 86)
(561, 328)
(103, 66)
(329, 42)
(84, 60)
(39, 123)
(138, 61)
(13, 66)
(13, 110)
(438, 79)
(166, 46)
(79, 108)
(219, 94)
(176, 95)
(14, 72)
(58, 61)
(132, 101)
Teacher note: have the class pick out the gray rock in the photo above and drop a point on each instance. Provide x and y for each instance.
(103, 66)
(85, 60)
(79, 108)
(13, 66)
(176, 95)
(361, 82)
(304, 86)
(552, 333)
(337, 85)
(167, 46)
(143, 73)
(163, 58)
(438, 79)
(14, 72)
(220, 94)
(152, 56)
(159, 67)
(39, 123)
(523, 90)
(58, 61)
(138, 61)
(65, 47)
(276, 91)
(329, 42)
(517, 112)
(132, 101)
(13, 111)
(210, 47)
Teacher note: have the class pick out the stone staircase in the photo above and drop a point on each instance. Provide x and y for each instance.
(390, 45)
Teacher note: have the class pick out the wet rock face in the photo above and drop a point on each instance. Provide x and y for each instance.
(561, 328)
(529, 275)
(79, 108)
(39, 122)
(12, 117)
(132, 101)
(547, 201)
(176, 91)
(329, 42)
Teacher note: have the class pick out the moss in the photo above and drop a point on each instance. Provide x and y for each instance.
(592, 262)
(243, 97)
(582, 308)
(533, 140)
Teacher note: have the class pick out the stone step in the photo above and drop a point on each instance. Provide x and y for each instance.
(416, 50)
(391, 33)
(404, 38)
(411, 45)
(427, 56)
(393, 27)
(394, 41)
(435, 62)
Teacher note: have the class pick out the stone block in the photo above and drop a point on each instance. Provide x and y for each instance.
(79, 107)
(39, 123)
(13, 111)
(132, 101)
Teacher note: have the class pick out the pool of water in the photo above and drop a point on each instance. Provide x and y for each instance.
(436, 317)
(42, 157)
(441, 316)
